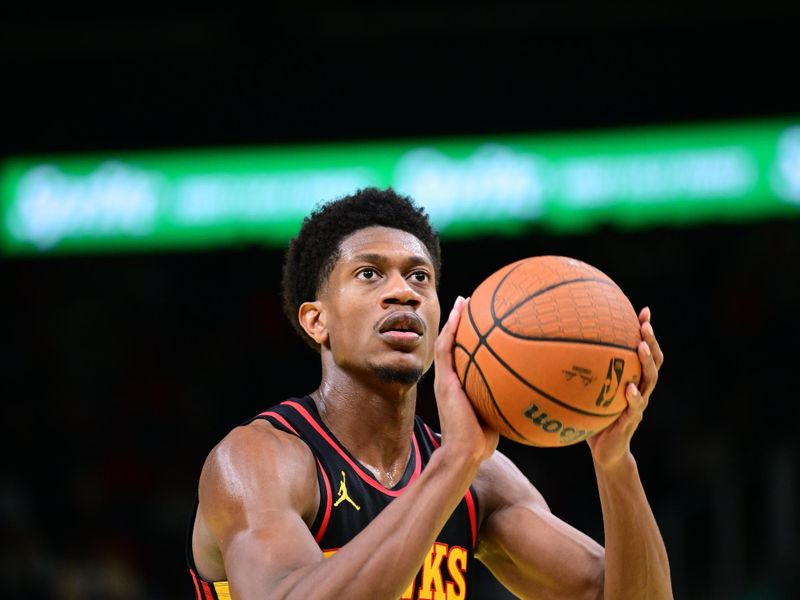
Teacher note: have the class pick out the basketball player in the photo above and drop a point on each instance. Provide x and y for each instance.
(344, 493)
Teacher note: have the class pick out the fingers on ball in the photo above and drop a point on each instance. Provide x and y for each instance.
(636, 399)
(648, 335)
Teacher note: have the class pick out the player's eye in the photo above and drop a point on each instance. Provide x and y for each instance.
(420, 276)
(367, 274)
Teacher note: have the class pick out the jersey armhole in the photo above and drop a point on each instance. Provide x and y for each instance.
(320, 523)
(203, 589)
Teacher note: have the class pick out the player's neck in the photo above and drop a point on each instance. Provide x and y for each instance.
(374, 423)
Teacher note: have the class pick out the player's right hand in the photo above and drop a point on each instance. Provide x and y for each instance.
(460, 426)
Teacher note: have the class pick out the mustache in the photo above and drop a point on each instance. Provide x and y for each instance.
(401, 320)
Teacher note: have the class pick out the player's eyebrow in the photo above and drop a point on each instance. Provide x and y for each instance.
(413, 260)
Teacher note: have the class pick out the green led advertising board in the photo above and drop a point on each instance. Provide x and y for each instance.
(668, 175)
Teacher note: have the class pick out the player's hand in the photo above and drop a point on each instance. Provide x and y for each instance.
(459, 423)
(611, 445)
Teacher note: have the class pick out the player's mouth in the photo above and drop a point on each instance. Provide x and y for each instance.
(401, 328)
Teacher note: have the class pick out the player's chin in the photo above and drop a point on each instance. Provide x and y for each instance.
(406, 370)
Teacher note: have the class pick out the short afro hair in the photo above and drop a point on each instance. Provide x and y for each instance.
(312, 255)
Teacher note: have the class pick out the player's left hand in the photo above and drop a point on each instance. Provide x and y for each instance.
(611, 445)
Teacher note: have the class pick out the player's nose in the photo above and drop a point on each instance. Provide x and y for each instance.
(400, 291)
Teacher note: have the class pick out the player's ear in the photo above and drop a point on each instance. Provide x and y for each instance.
(312, 319)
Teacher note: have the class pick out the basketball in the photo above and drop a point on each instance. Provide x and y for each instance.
(545, 349)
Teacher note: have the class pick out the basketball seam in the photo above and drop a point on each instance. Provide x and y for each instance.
(539, 292)
(541, 392)
(494, 296)
(471, 355)
(481, 339)
(469, 362)
(496, 406)
(565, 340)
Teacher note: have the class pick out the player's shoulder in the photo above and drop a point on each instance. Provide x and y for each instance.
(258, 437)
(255, 456)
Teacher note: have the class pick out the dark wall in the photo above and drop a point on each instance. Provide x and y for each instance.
(324, 71)
(121, 372)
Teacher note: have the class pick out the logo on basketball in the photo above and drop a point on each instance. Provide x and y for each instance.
(585, 376)
(610, 386)
(568, 435)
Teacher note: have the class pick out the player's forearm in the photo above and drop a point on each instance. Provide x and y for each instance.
(636, 563)
(382, 560)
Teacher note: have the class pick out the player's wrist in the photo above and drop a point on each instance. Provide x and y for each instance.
(624, 465)
(458, 458)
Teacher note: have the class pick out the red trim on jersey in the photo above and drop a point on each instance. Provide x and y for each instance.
(328, 502)
(367, 478)
(472, 521)
(280, 419)
(467, 497)
(202, 587)
(209, 594)
(196, 587)
(430, 435)
(417, 463)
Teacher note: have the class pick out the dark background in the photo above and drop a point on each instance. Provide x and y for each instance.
(120, 372)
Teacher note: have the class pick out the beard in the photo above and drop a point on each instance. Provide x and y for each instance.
(396, 375)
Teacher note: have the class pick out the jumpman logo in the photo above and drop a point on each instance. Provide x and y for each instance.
(343, 495)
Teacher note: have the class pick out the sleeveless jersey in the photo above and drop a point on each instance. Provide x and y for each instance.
(351, 497)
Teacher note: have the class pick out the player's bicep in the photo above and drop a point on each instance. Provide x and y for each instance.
(531, 551)
(258, 494)
(536, 555)
(263, 560)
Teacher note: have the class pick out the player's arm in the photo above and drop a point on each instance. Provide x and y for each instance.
(636, 559)
(537, 555)
(254, 494)
(531, 551)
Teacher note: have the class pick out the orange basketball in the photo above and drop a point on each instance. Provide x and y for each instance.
(545, 349)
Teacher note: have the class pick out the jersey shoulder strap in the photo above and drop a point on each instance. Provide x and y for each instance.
(284, 417)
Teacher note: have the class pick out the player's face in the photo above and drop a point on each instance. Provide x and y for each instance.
(381, 304)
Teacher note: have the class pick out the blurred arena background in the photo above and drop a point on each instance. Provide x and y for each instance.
(124, 363)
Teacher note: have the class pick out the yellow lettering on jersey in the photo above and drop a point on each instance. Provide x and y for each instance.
(456, 567)
(222, 589)
(432, 587)
(409, 593)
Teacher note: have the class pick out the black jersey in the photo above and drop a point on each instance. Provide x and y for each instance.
(351, 497)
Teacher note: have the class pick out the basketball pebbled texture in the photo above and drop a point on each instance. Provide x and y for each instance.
(545, 348)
